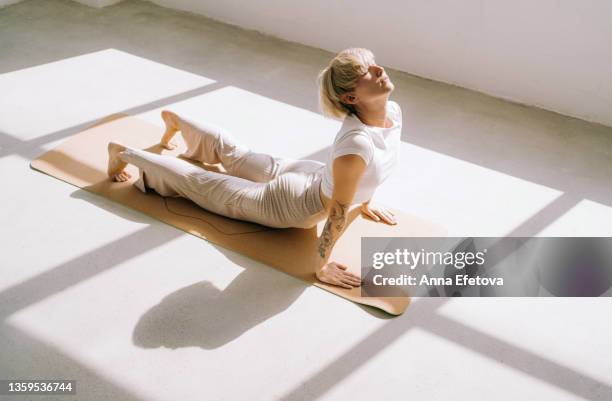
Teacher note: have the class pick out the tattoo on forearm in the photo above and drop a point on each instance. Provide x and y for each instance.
(325, 239)
(334, 225)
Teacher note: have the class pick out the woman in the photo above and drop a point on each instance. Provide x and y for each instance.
(282, 192)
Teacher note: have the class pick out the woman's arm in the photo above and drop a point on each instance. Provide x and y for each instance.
(347, 171)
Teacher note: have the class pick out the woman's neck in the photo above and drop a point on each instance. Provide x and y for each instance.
(374, 114)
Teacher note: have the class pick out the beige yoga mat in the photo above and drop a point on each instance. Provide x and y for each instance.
(81, 160)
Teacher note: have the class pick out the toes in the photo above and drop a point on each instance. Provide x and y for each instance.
(169, 146)
(122, 176)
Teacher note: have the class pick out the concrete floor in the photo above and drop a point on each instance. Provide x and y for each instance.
(134, 309)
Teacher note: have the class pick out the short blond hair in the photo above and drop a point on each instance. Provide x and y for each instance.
(340, 77)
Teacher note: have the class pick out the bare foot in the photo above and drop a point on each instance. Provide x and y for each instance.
(115, 164)
(171, 128)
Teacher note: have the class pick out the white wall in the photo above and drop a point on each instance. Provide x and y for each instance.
(8, 2)
(91, 3)
(555, 54)
(98, 3)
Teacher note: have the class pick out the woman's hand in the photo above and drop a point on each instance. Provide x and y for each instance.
(336, 274)
(378, 213)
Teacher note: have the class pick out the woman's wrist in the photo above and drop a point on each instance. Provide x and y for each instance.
(318, 261)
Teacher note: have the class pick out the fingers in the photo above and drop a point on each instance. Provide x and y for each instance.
(387, 216)
(367, 211)
(348, 274)
(346, 277)
(372, 215)
(384, 217)
(348, 281)
(379, 213)
(355, 282)
(337, 274)
(353, 276)
(340, 265)
(390, 219)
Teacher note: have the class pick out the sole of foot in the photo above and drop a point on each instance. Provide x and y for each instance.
(115, 164)
(171, 129)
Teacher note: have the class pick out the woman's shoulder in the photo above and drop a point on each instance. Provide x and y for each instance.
(352, 132)
(354, 140)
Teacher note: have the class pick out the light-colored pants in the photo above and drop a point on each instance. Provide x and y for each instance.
(272, 191)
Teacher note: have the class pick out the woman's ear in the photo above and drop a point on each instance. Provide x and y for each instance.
(348, 98)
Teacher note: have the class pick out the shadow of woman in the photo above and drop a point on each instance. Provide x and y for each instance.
(205, 316)
(202, 314)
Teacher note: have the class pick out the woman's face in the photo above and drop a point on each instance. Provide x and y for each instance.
(373, 84)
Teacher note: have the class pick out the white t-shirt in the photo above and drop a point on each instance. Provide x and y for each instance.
(377, 146)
